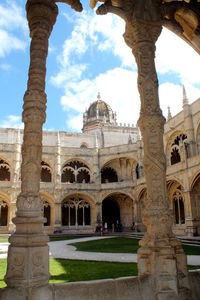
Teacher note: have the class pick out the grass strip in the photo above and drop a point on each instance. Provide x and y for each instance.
(122, 245)
(113, 245)
(65, 270)
(3, 240)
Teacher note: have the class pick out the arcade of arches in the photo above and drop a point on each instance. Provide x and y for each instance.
(74, 214)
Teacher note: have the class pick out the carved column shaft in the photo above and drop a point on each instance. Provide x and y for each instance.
(28, 263)
(160, 254)
(41, 17)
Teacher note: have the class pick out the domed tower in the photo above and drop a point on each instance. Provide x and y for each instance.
(98, 115)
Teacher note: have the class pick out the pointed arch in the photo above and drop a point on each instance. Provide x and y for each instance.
(78, 211)
(48, 211)
(75, 171)
(46, 172)
(4, 212)
(5, 170)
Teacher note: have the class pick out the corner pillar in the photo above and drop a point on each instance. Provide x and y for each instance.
(28, 253)
(160, 254)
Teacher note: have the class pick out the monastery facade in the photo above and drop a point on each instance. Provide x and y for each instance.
(97, 176)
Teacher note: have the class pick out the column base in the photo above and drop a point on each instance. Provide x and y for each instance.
(191, 227)
(28, 261)
(165, 260)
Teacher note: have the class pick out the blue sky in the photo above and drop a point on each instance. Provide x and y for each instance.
(87, 55)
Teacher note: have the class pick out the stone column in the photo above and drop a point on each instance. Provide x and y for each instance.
(160, 254)
(28, 253)
(191, 224)
(17, 160)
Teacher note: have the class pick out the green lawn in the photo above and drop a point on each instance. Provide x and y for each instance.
(3, 265)
(64, 270)
(113, 245)
(122, 245)
(3, 240)
(191, 250)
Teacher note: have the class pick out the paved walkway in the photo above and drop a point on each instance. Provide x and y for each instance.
(62, 249)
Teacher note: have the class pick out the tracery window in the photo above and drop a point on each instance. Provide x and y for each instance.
(75, 171)
(47, 213)
(179, 211)
(45, 172)
(175, 156)
(4, 171)
(175, 151)
(76, 212)
(108, 175)
(3, 213)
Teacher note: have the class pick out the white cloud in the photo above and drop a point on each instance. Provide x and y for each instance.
(176, 56)
(107, 31)
(12, 25)
(12, 121)
(12, 16)
(75, 123)
(8, 42)
(118, 88)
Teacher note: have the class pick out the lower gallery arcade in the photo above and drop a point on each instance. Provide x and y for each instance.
(90, 209)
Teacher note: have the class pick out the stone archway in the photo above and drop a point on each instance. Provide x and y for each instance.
(4, 214)
(110, 211)
(117, 209)
(177, 204)
(78, 214)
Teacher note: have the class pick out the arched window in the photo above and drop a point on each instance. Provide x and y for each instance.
(108, 175)
(45, 172)
(175, 156)
(68, 176)
(47, 213)
(76, 212)
(4, 171)
(175, 152)
(83, 146)
(75, 171)
(83, 176)
(3, 213)
(179, 212)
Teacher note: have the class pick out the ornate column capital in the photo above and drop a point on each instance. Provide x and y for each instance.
(41, 15)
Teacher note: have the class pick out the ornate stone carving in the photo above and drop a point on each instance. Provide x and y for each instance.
(16, 264)
(160, 255)
(29, 203)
